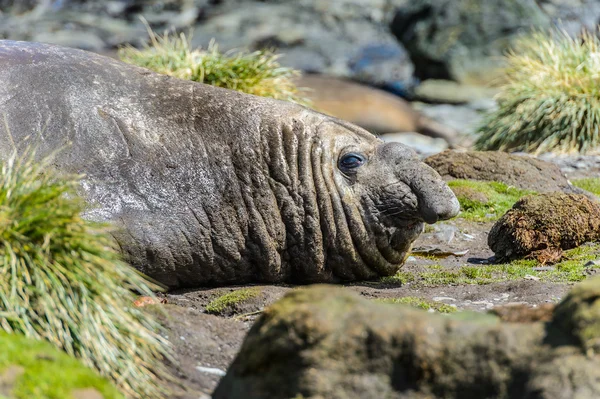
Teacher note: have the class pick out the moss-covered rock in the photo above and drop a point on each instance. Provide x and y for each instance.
(519, 171)
(35, 370)
(328, 342)
(232, 302)
(578, 315)
(541, 226)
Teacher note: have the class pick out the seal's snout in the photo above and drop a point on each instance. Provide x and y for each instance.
(435, 200)
(442, 206)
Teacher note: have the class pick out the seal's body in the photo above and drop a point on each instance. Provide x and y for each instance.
(210, 186)
(373, 109)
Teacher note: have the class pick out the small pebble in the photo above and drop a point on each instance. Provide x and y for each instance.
(211, 370)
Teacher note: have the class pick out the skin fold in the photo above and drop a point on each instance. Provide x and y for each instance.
(208, 186)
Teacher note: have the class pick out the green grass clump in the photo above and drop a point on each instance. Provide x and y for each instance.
(551, 98)
(500, 198)
(227, 301)
(570, 269)
(257, 73)
(61, 280)
(591, 184)
(47, 372)
(420, 303)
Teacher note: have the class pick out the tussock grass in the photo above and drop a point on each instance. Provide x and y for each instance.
(257, 72)
(551, 98)
(47, 372)
(61, 280)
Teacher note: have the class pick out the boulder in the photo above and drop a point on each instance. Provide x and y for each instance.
(463, 39)
(327, 342)
(541, 226)
(515, 170)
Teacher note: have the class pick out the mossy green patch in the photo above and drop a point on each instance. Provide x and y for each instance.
(48, 372)
(591, 184)
(571, 269)
(500, 198)
(420, 303)
(229, 300)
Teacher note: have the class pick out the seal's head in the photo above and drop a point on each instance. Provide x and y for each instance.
(388, 195)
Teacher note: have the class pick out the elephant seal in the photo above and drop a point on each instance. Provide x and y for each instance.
(209, 186)
(373, 109)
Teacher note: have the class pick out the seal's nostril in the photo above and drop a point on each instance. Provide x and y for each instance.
(440, 208)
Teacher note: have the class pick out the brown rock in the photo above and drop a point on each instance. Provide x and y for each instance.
(519, 171)
(541, 226)
(327, 342)
(522, 313)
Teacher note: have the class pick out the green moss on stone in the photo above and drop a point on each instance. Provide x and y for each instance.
(485, 201)
(229, 300)
(578, 315)
(591, 184)
(48, 372)
(420, 303)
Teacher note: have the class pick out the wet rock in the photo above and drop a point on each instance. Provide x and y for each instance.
(346, 38)
(541, 226)
(462, 39)
(572, 15)
(519, 171)
(326, 342)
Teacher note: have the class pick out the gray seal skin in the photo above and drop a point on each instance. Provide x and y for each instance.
(209, 186)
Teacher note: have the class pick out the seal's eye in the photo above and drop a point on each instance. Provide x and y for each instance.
(351, 161)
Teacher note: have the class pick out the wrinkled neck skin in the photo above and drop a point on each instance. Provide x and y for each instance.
(307, 221)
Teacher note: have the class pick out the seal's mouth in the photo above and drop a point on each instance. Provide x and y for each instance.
(407, 231)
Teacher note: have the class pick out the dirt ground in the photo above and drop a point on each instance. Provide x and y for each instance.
(206, 344)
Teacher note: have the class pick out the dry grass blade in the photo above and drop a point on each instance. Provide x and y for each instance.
(62, 281)
(551, 101)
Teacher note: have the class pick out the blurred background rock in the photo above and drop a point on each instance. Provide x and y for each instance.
(446, 54)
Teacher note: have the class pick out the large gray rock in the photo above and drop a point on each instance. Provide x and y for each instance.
(211, 186)
(326, 342)
(463, 39)
(344, 38)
